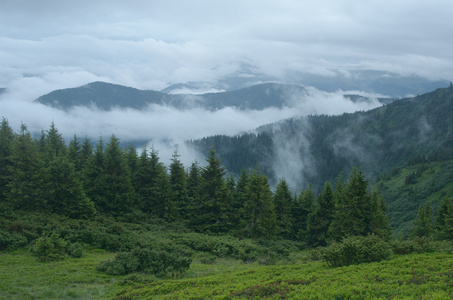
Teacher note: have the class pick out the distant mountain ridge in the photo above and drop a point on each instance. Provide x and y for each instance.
(107, 96)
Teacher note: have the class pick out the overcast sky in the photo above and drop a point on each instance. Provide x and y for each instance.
(151, 44)
(51, 44)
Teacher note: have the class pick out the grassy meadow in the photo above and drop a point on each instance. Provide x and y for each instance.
(412, 276)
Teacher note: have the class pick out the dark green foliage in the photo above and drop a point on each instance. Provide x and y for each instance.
(75, 250)
(27, 188)
(6, 140)
(301, 209)
(283, 201)
(357, 250)
(119, 191)
(12, 240)
(319, 220)
(178, 185)
(152, 186)
(221, 246)
(146, 260)
(67, 196)
(95, 177)
(49, 248)
(210, 209)
(54, 145)
(444, 220)
(259, 219)
(74, 153)
(423, 224)
(357, 212)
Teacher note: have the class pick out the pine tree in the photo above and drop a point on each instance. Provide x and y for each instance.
(444, 220)
(233, 206)
(319, 220)
(95, 177)
(353, 208)
(178, 183)
(211, 206)
(6, 140)
(153, 186)
(86, 152)
(54, 145)
(259, 210)
(119, 192)
(378, 224)
(423, 225)
(66, 192)
(74, 153)
(193, 192)
(27, 188)
(301, 208)
(283, 201)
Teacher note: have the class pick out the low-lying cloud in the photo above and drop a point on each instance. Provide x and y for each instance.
(163, 126)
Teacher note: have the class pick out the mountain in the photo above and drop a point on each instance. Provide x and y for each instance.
(390, 84)
(317, 148)
(107, 96)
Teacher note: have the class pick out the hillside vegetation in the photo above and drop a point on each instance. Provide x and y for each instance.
(108, 222)
(315, 149)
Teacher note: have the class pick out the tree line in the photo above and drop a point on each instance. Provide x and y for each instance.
(82, 180)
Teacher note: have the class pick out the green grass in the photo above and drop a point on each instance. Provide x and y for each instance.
(23, 277)
(423, 276)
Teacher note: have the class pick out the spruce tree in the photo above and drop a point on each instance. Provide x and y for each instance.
(119, 192)
(152, 186)
(319, 220)
(95, 177)
(259, 211)
(27, 188)
(67, 196)
(54, 144)
(211, 205)
(351, 208)
(301, 208)
(444, 220)
(283, 201)
(178, 183)
(6, 140)
(86, 152)
(423, 225)
(74, 153)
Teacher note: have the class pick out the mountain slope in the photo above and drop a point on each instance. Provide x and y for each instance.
(318, 148)
(106, 96)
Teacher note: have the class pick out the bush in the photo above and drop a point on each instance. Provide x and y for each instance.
(12, 240)
(357, 250)
(49, 248)
(156, 262)
(75, 250)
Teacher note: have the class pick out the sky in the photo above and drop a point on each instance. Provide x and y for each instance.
(54, 44)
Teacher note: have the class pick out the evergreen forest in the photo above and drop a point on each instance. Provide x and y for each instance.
(127, 226)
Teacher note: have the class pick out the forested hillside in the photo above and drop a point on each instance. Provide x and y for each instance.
(76, 181)
(316, 149)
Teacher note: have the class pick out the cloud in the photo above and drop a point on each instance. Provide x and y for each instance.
(152, 44)
(163, 126)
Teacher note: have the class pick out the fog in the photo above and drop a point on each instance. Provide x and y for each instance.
(163, 127)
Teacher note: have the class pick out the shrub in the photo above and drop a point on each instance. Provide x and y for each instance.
(357, 250)
(49, 248)
(75, 250)
(150, 261)
(12, 240)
